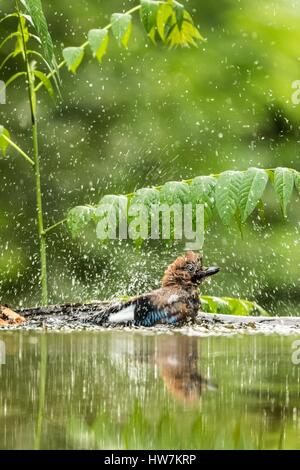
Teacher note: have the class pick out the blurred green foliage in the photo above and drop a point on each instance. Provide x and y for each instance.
(148, 115)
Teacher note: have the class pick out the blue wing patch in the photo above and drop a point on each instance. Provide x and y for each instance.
(171, 320)
(150, 318)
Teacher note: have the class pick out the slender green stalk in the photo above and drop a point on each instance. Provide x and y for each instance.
(41, 232)
(39, 207)
(54, 226)
(18, 149)
(85, 44)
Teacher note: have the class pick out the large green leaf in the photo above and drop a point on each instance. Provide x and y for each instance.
(98, 40)
(165, 16)
(284, 179)
(187, 35)
(253, 185)
(3, 142)
(117, 207)
(45, 81)
(35, 10)
(113, 200)
(149, 10)
(143, 201)
(73, 57)
(146, 197)
(78, 218)
(175, 25)
(227, 194)
(202, 192)
(231, 306)
(179, 13)
(175, 192)
(121, 26)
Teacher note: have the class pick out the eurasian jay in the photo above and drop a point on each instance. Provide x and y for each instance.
(177, 299)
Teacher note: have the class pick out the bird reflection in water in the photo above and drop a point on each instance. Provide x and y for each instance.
(177, 360)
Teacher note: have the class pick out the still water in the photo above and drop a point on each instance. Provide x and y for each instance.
(125, 390)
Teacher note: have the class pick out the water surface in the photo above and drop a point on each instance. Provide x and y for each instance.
(126, 390)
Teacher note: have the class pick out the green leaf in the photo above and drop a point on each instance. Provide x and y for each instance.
(175, 192)
(215, 305)
(146, 197)
(148, 12)
(73, 57)
(227, 195)
(165, 15)
(175, 25)
(46, 82)
(230, 306)
(186, 36)
(121, 26)
(253, 185)
(202, 192)
(297, 181)
(3, 142)
(116, 206)
(113, 200)
(283, 184)
(98, 41)
(78, 218)
(179, 13)
(35, 10)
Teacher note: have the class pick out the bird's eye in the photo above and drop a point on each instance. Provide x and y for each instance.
(190, 268)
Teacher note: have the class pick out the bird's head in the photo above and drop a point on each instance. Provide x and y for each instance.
(187, 270)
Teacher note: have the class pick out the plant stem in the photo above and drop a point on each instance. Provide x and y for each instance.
(39, 207)
(16, 147)
(61, 64)
(54, 226)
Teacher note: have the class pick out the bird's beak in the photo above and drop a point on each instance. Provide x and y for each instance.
(210, 271)
(206, 272)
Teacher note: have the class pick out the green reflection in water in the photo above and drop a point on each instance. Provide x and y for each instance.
(124, 390)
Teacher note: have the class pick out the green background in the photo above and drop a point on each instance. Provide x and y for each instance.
(146, 116)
